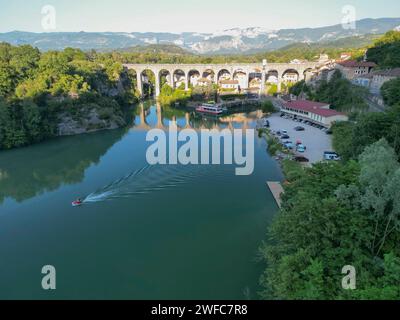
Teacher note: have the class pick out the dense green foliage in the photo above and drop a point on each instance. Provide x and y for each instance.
(350, 139)
(341, 94)
(301, 88)
(37, 88)
(170, 96)
(268, 107)
(391, 92)
(386, 50)
(337, 214)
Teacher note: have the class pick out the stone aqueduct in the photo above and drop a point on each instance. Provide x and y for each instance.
(213, 71)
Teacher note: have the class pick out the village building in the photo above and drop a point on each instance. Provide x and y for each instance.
(232, 85)
(316, 112)
(352, 69)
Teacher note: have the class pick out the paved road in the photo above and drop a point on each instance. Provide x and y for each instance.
(316, 140)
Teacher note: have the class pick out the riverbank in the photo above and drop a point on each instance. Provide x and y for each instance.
(90, 120)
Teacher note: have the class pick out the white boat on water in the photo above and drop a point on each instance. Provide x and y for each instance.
(210, 109)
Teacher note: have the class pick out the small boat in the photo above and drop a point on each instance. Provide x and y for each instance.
(210, 109)
(77, 203)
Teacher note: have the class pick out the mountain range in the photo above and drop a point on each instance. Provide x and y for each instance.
(232, 41)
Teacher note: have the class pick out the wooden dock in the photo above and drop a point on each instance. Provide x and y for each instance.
(276, 190)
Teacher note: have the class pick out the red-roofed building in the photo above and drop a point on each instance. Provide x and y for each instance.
(316, 112)
(352, 69)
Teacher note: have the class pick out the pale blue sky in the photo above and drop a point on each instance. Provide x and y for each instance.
(185, 15)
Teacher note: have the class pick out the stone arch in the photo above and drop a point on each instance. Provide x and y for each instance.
(133, 77)
(223, 74)
(242, 77)
(290, 76)
(272, 76)
(209, 74)
(148, 82)
(193, 76)
(165, 77)
(179, 78)
(255, 78)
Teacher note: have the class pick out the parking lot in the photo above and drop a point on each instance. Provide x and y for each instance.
(315, 140)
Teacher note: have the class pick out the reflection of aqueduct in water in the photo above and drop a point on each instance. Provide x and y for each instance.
(188, 73)
(227, 121)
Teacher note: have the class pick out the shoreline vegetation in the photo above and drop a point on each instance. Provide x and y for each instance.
(344, 213)
(339, 213)
(335, 214)
(44, 95)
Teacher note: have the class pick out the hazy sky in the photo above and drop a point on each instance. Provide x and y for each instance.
(185, 15)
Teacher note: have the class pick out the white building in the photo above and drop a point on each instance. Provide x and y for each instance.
(229, 85)
(291, 77)
(316, 112)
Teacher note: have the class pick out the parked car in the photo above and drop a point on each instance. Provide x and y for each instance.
(282, 115)
(284, 131)
(299, 128)
(285, 136)
(288, 145)
(301, 148)
(329, 155)
(301, 159)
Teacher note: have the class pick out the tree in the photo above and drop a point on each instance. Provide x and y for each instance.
(391, 92)
(377, 192)
(7, 79)
(32, 121)
(341, 94)
(386, 50)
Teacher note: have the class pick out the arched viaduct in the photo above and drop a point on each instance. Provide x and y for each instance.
(183, 73)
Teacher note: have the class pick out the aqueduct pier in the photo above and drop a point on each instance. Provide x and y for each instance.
(184, 73)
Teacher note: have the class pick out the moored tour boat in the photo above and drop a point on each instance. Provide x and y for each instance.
(210, 109)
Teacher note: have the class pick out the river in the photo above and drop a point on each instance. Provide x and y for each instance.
(146, 232)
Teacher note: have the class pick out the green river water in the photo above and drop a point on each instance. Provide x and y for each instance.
(158, 232)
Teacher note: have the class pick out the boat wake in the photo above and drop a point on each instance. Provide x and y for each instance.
(149, 179)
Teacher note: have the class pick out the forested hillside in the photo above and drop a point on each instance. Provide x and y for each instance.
(386, 50)
(58, 92)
